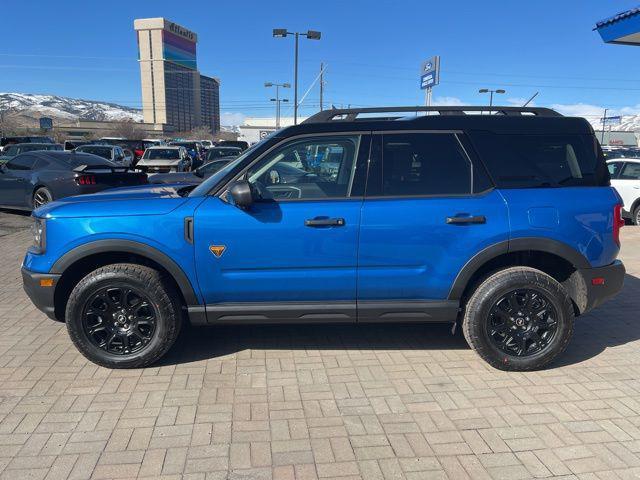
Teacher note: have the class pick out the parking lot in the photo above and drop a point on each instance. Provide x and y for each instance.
(312, 402)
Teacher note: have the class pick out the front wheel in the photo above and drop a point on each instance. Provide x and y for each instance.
(123, 316)
(636, 216)
(519, 319)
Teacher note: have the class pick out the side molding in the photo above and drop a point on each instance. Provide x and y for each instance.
(129, 246)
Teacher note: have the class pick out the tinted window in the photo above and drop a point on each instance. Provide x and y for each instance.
(76, 159)
(631, 171)
(222, 152)
(526, 161)
(614, 168)
(21, 162)
(212, 167)
(104, 152)
(11, 151)
(162, 154)
(421, 164)
(310, 168)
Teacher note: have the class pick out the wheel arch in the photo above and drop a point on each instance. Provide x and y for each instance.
(76, 263)
(557, 259)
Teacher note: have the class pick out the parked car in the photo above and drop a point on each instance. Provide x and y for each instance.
(285, 173)
(33, 179)
(214, 153)
(11, 151)
(194, 149)
(233, 143)
(4, 141)
(503, 224)
(625, 178)
(165, 159)
(114, 153)
(207, 144)
(73, 144)
(136, 146)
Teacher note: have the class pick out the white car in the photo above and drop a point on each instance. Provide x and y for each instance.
(625, 178)
(165, 159)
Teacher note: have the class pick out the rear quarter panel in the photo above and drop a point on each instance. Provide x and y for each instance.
(580, 217)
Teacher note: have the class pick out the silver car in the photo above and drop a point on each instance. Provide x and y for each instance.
(165, 159)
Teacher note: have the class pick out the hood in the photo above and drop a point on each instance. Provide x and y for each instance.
(138, 200)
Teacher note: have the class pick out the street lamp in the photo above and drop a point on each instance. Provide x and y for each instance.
(277, 99)
(278, 102)
(491, 92)
(311, 35)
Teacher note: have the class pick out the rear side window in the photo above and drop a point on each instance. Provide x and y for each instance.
(21, 162)
(535, 161)
(614, 168)
(417, 164)
(631, 171)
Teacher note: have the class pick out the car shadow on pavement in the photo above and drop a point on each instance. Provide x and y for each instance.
(612, 324)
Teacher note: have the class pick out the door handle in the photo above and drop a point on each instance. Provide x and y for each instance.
(324, 222)
(466, 220)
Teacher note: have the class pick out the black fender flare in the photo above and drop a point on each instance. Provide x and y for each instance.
(547, 245)
(129, 246)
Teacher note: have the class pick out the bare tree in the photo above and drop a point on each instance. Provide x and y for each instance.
(9, 123)
(127, 129)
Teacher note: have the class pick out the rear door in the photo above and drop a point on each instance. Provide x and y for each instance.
(428, 209)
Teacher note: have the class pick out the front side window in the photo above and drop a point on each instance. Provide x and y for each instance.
(316, 168)
(631, 171)
(417, 164)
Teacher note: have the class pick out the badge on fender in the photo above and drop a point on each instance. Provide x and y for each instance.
(217, 250)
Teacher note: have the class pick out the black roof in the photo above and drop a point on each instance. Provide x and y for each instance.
(497, 119)
(70, 157)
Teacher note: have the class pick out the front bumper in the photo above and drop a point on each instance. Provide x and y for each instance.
(602, 283)
(42, 297)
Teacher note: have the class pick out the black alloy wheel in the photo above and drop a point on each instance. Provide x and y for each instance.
(522, 323)
(119, 319)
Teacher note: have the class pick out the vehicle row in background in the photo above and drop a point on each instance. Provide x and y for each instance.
(12, 150)
(33, 179)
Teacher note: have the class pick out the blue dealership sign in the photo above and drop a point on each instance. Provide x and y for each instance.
(430, 72)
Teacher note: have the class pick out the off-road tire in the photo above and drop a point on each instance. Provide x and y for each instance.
(160, 293)
(494, 287)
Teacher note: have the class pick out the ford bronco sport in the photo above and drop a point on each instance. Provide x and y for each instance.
(503, 223)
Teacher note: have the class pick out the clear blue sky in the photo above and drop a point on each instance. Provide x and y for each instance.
(87, 49)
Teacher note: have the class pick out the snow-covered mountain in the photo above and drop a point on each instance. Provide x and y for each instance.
(65, 108)
(629, 123)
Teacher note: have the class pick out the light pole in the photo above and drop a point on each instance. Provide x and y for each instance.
(491, 92)
(311, 35)
(278, 102)
(277, 99)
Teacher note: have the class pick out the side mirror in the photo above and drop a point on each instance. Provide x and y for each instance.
(242, 194)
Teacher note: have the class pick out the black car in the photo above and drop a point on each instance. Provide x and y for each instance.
(214, 153)
(114, 153)
(32, 179)
(4, 141)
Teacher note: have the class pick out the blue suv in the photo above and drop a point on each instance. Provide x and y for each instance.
(501, 221)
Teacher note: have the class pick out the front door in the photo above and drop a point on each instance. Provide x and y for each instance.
(14, 180)
(293, 255)
(428, 210)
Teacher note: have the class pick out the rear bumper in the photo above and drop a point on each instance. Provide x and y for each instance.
(612, 281)
(42, 297)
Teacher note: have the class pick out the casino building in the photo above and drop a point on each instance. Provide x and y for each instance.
(174, 93)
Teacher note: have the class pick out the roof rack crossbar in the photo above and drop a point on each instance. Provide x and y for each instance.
(351, 114)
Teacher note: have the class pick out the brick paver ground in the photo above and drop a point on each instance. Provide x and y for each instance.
(318, 402)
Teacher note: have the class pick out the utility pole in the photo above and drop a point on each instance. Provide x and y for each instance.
(604, 122)
(321, 83)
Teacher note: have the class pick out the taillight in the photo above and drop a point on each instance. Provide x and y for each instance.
(138, 153)
(86, 180)
(618, 222)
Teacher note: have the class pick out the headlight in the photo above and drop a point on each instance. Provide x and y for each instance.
(39, 231)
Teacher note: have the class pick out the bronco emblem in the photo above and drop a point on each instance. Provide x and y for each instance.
(217, 250)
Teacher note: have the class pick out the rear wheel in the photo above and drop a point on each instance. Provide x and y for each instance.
(41, 197)
(123, 316)
(636, 216)
(519, 319)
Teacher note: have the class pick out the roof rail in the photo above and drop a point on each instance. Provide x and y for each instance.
(351, 114)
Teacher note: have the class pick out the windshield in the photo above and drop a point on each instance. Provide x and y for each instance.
(210, 182)
(223, 152)
(76, 159)
(48, 146)
(161, 154)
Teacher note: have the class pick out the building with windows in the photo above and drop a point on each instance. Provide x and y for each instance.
(174, 92)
